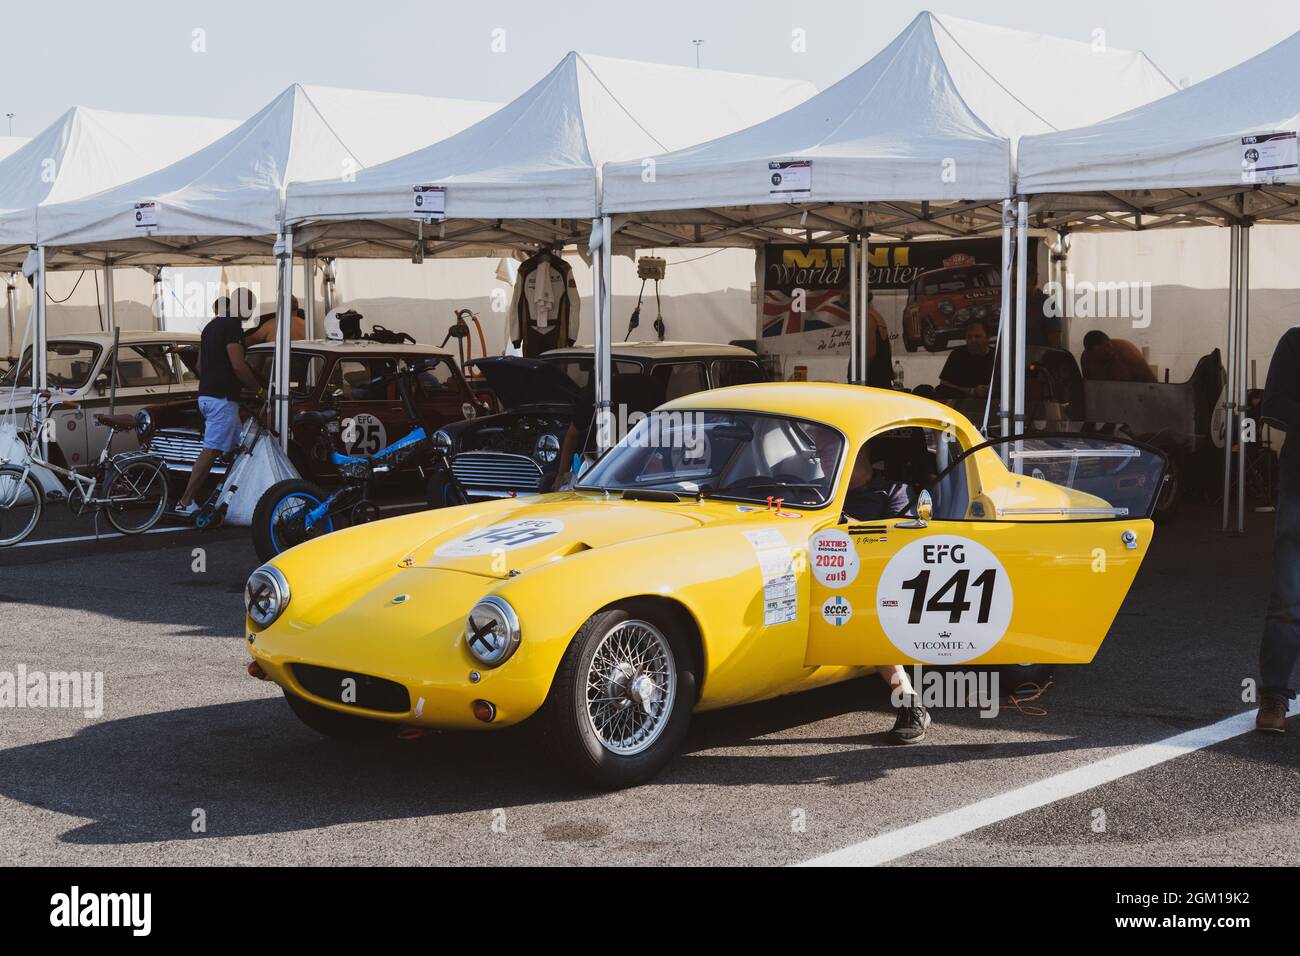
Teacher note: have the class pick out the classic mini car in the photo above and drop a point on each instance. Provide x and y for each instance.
(517, 451)
(942, 301)
(78, 368)
(705, 561)
(331, 374)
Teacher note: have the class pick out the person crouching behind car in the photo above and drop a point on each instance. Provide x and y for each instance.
(222, 370)
(873, 497)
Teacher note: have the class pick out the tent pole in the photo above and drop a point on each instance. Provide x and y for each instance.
(855, 378)
(1022, 299)
(864, 281)
(11, 310)
(108, 296)
(1004, 327)
(309, 293)
(40, 373)
(604, 424)
(283, 338)
(1243, 352)
(1229, 396)
(327, 284)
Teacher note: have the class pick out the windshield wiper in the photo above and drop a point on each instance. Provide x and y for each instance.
(650, 494)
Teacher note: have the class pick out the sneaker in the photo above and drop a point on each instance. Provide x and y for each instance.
(185, 511)
(1272, 715)
(911, 724)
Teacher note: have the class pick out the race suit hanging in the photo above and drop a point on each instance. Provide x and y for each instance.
(544, 310)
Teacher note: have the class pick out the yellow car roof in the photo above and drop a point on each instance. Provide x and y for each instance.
(853, 409)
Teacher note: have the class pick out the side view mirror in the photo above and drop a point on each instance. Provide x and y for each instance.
(102, 382)
(334, 394)
(924, 506)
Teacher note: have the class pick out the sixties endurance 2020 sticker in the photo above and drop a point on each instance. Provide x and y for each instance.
(833, 557)
(501, 537)
(944, 600)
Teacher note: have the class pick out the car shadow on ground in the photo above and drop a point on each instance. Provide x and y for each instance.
(252, 769)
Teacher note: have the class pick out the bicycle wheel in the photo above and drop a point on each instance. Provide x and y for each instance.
(280, 518)
(137, 495)
(21, 502)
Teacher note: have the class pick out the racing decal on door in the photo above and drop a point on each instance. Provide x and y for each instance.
(364, 434)
(836, 610)
(834, 560)
(780, 587)
(501, 537)
(944, 599)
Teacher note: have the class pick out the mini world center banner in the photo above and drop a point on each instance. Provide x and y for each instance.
(924, 291)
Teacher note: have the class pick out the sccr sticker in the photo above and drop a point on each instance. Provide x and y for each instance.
(834, 559)
(501, 537)
(944, 600)
(837, 610)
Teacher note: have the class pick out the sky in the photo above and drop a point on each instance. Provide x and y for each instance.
(229, 58)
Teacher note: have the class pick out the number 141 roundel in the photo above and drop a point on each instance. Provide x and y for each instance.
(944, 599)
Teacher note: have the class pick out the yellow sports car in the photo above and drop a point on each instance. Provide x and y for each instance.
(735, 545)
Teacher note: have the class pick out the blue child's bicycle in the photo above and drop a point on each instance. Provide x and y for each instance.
(294, 511)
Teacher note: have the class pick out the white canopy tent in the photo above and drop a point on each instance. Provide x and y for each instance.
(83, 152)
(224, 203)
(527, 177)
(1222, 152)
(919, 141)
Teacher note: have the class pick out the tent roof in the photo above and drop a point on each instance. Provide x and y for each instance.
(85, 151)
(1177, 161)
(935, 117)
(536, 161)
(210, 200)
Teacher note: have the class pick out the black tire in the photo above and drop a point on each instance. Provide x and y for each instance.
(18, 522)
(442, 492)
(1171, 492)
(930, 337)
(331, 723)
(145, 478)
(565, 718)
(270, 536)
(910, 343)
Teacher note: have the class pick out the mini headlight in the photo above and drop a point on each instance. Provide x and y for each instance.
(143, 422)
(492, 631)
(266, 595)
(441, 442)
(547, 449)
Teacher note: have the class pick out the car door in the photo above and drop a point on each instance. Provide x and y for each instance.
(438, 391)
(371, 416)
(145, 376)
(1026, 564)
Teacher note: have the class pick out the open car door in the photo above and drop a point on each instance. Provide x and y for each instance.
(1029, 551)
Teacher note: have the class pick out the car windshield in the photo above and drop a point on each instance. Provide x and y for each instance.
(745, 456)
(68, 366)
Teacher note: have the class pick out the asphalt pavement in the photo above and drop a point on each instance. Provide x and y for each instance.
(194, 762)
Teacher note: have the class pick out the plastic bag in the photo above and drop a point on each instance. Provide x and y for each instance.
(252, 473)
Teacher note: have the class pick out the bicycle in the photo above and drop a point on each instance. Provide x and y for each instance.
(296, 510)
(129, 488)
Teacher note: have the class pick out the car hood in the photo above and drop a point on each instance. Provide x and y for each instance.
(501, 543)
(524, 381)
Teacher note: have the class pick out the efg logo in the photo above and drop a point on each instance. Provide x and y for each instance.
(73, 909)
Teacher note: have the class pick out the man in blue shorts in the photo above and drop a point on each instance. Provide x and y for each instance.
(223, 371)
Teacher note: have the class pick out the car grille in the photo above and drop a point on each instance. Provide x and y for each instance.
(372, 693)
(494, 471)
(179, 449)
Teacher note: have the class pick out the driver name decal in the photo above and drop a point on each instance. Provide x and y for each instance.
(501, 537)
(780, 585)
(944, 600)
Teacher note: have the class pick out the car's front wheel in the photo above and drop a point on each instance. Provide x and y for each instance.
(622, 697)
(331, 723)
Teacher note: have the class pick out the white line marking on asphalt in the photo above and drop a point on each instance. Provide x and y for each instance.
(947, 826)
(91, 537)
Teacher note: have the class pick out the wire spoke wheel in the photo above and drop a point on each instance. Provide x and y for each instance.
(631, 687)
(137, 496)
(20, 505)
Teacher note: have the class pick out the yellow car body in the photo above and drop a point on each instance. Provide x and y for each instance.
(390, 599)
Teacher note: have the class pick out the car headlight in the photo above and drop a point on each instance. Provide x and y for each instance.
(492, 631)
(441, 442)
(547, 449)
(143, 423)
(266, 595)
(963, 315)
(982, 312)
